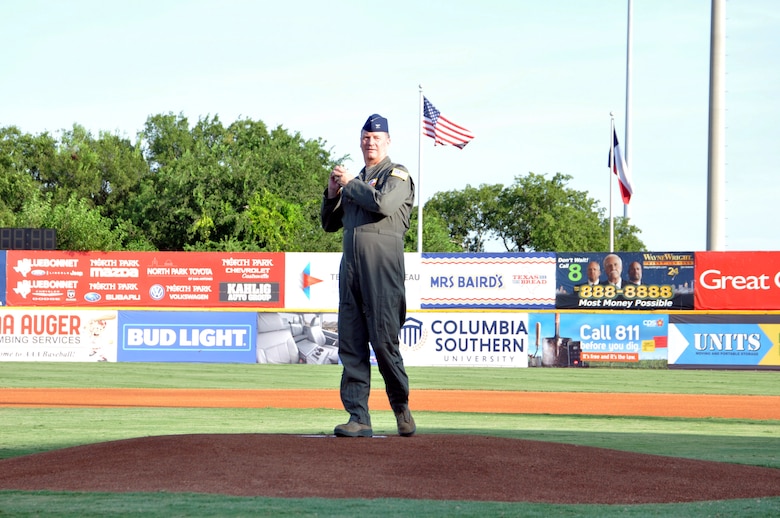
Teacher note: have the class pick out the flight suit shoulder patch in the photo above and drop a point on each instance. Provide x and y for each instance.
(400, 173)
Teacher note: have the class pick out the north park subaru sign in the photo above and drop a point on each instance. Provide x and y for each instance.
(162, 336)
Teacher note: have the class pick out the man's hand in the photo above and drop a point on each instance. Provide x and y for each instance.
(339, 177)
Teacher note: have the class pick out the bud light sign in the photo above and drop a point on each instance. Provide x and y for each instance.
(154, 336)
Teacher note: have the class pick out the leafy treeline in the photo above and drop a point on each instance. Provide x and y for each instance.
(533, 214)
(243, 187)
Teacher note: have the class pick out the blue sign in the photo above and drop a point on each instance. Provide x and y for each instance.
(600, 337)
(736, 341)
(209, 337)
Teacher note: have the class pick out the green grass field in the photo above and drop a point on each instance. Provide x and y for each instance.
(29, 430)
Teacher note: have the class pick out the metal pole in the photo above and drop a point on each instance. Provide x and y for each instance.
(627, 139)
(716, 182)
(419, 177)
(611, 173)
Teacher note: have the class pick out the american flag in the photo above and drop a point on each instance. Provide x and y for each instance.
(441, 129)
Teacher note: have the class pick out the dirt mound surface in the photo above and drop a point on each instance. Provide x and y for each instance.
(451, 467)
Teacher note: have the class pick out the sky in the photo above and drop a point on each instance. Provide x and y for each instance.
(535, 82)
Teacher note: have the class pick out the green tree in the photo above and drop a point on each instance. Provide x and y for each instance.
(436, 237)
(468, 214)
(74, 168)
(533, 214)
(17, 154)
(209, 185)
(245, 187)
(625, 236)
(164, 139)
(537, 214)
(79, 226)
(120, 169)
(275, 221)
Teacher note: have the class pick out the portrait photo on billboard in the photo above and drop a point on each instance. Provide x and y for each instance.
(625, 280)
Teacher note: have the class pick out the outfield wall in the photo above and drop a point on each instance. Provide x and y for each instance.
(694, 310)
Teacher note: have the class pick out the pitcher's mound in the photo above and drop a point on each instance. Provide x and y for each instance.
(446, 467)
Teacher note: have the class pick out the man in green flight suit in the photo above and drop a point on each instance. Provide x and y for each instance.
(373, 209)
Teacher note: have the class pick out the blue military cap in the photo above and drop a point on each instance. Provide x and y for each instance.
(376, 123)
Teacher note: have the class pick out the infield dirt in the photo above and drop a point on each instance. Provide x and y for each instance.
(480, 401)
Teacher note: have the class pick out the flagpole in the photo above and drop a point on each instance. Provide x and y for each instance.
(419, 175)
(627, 139)
(716, 158)
(611, 168)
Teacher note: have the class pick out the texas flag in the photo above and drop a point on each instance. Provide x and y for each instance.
(618, 166)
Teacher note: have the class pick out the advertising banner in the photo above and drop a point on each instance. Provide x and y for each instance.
(597, 337)
(132, 279)
(465, 339)
(426, 339)
(182, 336)
(50, 335)
(487, 281)
(737, 280)
(625, 280)
(311, 281)
(725, 341)
(413, 283)
(297, 338)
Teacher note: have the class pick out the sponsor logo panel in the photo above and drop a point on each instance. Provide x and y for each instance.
(487, 281)
(625, 281)
(164, 336)
(122, 279)
(58, 335)
(737, 280)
